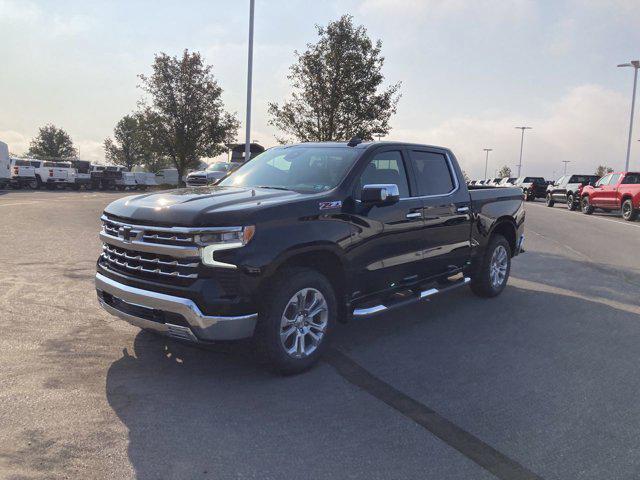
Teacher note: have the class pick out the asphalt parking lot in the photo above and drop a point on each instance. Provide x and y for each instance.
(541, 382)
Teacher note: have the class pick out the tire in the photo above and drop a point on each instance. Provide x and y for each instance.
(550, 200)
(571, 202)
(488, 282)
(40, 182)
(586, 207)
(278, 317)
(629, 213)
(32, 184)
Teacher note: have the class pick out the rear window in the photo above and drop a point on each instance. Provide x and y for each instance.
(433, 176)
(22, 163)
(583, 178)
(631, 178)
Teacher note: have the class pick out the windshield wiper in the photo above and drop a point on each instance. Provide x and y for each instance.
(273, 188)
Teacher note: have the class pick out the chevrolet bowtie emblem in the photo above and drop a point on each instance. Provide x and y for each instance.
(125, 233)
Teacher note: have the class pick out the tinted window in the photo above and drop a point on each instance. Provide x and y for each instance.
(386, 167)
(604, 180)
(433, 176)
(582, 179)
(633, 178)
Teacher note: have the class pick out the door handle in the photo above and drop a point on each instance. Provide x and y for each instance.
(462, 209)
(414, 215)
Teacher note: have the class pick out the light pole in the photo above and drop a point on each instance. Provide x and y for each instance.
(565, 165)
(635, 64)
(521, 144)
(486, 161)
(247, 145)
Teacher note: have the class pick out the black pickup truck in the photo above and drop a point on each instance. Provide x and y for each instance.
(303, 236)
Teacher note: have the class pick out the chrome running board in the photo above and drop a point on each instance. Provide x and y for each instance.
(375, 309)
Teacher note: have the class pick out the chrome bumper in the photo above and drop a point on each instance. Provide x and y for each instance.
(200, 327)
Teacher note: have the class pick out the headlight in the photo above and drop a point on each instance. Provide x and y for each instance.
(223, 239)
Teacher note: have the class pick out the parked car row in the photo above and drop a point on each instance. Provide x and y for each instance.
(615, 191)
(75, 174)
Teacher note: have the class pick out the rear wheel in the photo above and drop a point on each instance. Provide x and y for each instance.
(550, 201)
(32, 184)
(587, 208)
(295, 323)
(629, 213)
(494, 269)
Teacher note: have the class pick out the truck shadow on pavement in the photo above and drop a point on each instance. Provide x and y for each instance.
(522, 372)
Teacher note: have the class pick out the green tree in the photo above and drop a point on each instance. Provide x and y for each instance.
(602, 170)
(52, 143)
(131, 146)
(505, 171)
(337, 88)
(186, 115)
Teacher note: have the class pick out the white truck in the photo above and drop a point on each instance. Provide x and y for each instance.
(23, 173)
(5, 166)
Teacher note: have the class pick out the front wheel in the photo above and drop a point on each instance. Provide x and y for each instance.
(571, 202)
(296, 321)
(587, 208)
(550, 201)
(629, 213)
(495, 266)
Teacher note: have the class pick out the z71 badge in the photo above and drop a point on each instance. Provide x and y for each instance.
(330, 205)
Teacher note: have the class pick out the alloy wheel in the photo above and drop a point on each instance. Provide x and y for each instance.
(498, 266)
(304, 323)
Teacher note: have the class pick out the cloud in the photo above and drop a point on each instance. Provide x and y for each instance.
(17, 142)
(587, 126)
(28, 14)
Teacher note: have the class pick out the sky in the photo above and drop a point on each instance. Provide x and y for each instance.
(470, 70)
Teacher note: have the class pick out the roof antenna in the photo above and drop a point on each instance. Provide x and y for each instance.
(354, 141)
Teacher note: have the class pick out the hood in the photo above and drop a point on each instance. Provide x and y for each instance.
(200, 206)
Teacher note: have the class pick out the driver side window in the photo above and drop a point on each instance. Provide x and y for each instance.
(385, 168)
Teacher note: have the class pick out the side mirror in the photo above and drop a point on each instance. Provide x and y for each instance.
(380, 194)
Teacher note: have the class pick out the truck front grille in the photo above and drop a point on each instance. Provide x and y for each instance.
(164, 254)
(149, 263)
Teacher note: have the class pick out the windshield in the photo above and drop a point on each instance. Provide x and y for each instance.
(218, 167)
(300, 168)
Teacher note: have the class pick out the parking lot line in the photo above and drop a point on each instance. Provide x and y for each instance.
(618, 222)
(17, 203)
(470, 446)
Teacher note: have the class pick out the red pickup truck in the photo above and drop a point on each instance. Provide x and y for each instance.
(614, 191)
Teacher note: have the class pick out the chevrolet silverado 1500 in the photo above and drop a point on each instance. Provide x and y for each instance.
(303, 236)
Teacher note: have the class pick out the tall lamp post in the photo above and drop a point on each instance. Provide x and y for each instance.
(565, 165)
(635, 64)
(521, 145)
(486, 161)
(247, 145)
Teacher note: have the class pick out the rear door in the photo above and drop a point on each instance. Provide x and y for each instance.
(387, 238)
(447, 218)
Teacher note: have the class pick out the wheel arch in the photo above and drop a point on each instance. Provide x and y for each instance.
(506, 226)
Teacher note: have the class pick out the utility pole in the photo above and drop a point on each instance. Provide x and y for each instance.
(635, 64)
(486, 161)
(521, 145)
(247, 145)
(565, 165)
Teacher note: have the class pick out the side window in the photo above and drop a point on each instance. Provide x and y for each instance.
(385, 168)
(614, 179)
(433, 176)
(631, 178)
(603, 181)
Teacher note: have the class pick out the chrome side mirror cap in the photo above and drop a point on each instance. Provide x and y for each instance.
(380, 193)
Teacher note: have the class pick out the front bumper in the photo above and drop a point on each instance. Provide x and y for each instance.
(174, 316)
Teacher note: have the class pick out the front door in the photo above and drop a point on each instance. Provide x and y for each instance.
(447, 213)
(387, 240)
(598, 196)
